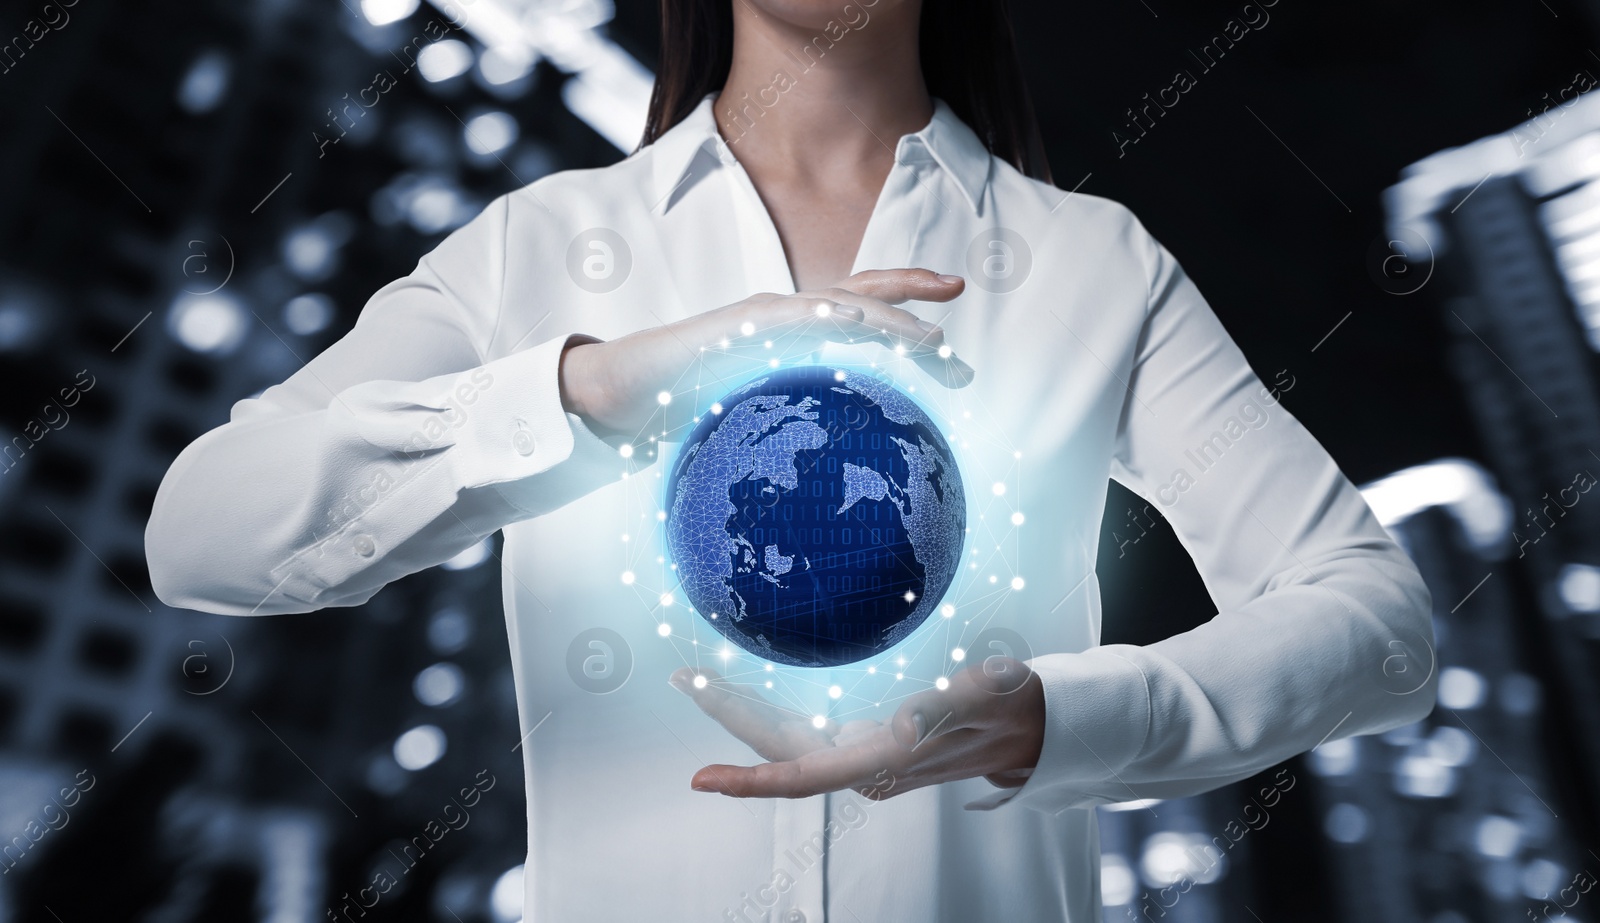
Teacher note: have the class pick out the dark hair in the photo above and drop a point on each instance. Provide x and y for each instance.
(969, 60)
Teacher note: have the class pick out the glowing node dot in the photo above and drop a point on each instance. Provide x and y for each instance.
(1017, 583)
(726, 653)
(1016, 454)
(899, 676)
(824, 309)
(699, 681)
(663, 629)
(769, 684)
(625, 450)
(872, 669)
(993, 579)
(999, 488)
(945, 351)
(947, 610)
(941, 683)
(1017, 518)
(772, 363)
(958, 655)
(627, 577)
(625, 536)
(900, 349)
(666, 599)
(713, 616)
(910, 597)
(819, 721)
(716, 408)
(834, 692)
(664, 398)
(767, 344)
(747, 328)
(661, 515)
(838, 375)
(900, 661)
(769, 666)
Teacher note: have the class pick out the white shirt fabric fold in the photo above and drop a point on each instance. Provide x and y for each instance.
(438, 420)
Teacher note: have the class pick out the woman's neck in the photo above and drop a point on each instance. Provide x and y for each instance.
(815, 103)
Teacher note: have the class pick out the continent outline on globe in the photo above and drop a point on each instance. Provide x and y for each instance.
(818, 519)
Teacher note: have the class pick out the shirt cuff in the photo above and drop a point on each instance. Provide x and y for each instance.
(1097, 719)
(521, 441)
(495, 431)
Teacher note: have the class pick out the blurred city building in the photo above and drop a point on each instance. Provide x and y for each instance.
(229, 190)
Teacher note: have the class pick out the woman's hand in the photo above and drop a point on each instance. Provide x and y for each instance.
(614, 385)
(989, 722)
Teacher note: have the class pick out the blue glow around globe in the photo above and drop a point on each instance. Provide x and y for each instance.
(817, 520)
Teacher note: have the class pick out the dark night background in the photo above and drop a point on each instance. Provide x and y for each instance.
(143, 126)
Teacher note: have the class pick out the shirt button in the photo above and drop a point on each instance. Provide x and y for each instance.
(523, 442)
(364, 545)
(794, 916)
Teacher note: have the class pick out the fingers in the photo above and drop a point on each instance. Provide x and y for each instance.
(919, 340)
(768, 780)
(852, 312)
(856, 317)
(879, 321)
(894, 286)
(769, 730)
(837, 314)
(828, 770)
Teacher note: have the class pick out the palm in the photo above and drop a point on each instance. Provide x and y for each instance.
(973, 728)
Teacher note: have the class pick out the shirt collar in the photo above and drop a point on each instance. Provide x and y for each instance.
(946, 140)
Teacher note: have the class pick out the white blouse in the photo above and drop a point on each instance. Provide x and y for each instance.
(437, 420)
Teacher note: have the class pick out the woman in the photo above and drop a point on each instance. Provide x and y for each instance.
(813, 168)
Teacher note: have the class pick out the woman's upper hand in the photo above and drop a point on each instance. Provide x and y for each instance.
(614, 385)
(989, 722)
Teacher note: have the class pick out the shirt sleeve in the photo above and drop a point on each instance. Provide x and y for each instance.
(1323, 627)
(394, 450)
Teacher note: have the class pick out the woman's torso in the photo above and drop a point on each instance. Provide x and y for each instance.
(1049, 320)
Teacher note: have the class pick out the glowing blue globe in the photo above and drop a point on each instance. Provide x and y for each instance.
(815, 516)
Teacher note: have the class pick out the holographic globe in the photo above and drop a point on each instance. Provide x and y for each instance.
(815, 516)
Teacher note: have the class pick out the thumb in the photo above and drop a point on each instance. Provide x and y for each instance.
(928, 714)
(966, 702)
(894, 286)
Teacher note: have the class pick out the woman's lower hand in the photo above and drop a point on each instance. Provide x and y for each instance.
(614, 384)
(989, 722)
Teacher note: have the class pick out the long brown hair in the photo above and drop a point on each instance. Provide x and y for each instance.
(969, 60)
